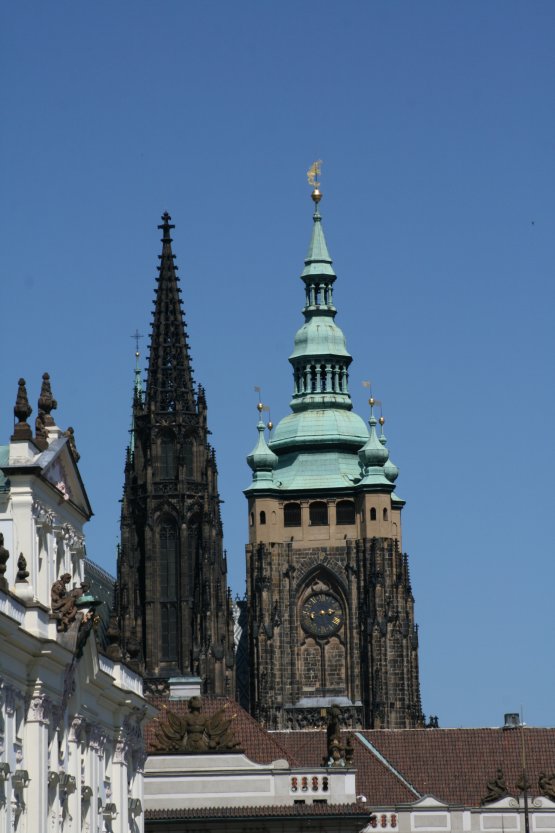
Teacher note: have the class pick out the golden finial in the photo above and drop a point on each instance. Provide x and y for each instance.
(371, 401)
(270, 425)
(381, 421)
(312, 175)
(260, 407)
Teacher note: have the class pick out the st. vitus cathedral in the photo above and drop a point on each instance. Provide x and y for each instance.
(172, 594)
(329, 612)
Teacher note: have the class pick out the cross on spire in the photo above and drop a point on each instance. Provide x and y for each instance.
(137, 335)
(166, 226)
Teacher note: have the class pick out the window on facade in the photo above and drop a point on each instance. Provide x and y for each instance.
(385, 514)
(167, 459)
(188, 454)
(345, 512)
(251, 519)
(168, 620)
(168, 591)
(319, 513)
(292, 514)
(263, 517)
(373, 514)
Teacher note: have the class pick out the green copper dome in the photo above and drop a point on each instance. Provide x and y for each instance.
(320, 427)
(320, 336)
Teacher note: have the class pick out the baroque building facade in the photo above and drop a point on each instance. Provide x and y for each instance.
(173, 599)
(329, 599)
(71, 713)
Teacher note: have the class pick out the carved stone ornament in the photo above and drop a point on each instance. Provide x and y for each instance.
(4, 555)
(336, 753)
(22, 410)
(63, 602)
(46, 402)
(77, 729)
(196, 733)
(496, 788)
(97, 740)
(121, 751)
(70, 434)
(39, 709)
(546, 785)
(22, 571)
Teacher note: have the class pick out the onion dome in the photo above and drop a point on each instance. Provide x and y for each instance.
(373, 453)
(261, 459)
(390, 469)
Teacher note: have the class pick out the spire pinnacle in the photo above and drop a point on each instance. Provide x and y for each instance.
(169, 385)
(166, 226)
(46, 402)
(22, 410)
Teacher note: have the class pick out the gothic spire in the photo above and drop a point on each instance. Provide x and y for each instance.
(169, 386)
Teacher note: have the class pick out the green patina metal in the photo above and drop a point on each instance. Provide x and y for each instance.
(322, 446)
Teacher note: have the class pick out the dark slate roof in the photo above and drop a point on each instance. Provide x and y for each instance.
(101, 587)
(259, 745)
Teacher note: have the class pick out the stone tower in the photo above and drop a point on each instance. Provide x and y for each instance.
(329, 598)
(173, 599)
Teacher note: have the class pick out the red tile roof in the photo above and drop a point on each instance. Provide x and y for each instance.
(277, 810)
(453, 765)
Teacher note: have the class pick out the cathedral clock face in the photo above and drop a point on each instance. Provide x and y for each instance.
(322, 615)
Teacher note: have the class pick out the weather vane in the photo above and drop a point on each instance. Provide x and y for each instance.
(313, 173)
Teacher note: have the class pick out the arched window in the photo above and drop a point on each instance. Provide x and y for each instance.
(167, 459)
(373, 514)
(263, 517)
(345, 512)
(385, 514)
(251, 519)
(189, 459)
(319, 513)
(292, 514)
(168, 591)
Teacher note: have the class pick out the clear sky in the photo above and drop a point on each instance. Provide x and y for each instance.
(436, 124)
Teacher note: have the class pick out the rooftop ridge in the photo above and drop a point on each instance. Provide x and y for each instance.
(365, 742)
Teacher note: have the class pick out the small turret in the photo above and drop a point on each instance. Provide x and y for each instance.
(261, 459)
(390, 469)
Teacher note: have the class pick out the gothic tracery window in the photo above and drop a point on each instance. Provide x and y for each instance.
(168, 591)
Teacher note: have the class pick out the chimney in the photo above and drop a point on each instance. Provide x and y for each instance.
(183, 688)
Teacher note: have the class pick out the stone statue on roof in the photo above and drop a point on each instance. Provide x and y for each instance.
(196, 733)
(496, 788)
(546, 785)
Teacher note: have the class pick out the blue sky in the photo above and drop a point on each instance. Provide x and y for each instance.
(435, 121)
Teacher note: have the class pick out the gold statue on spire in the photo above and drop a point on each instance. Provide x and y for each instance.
(313, 173)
